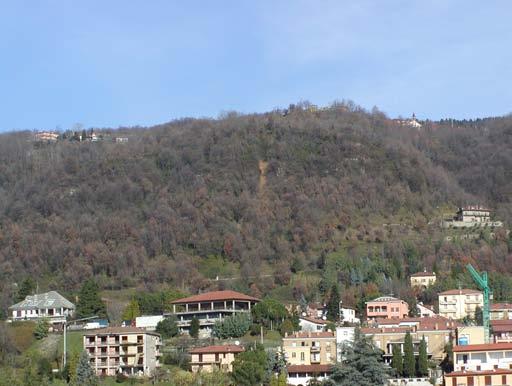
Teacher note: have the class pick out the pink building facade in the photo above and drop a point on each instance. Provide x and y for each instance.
(387, 307)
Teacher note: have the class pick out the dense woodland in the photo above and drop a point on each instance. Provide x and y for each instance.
(282, 203)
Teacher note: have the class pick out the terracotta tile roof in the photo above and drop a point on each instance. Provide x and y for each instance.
(483, 347)
(309, 368)
(385, 330)
(314, 320)
(120, 331)
(422, 274)
(423, 324)
(312, 334)
(228, 348)
(464, 291)
(501, 306)
(215, 296)
(497, 322)
(482, 372)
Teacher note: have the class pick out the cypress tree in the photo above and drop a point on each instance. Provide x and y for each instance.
(423, 358)
(397, 362)
(333, 306)
(194, 327)
(409, 361)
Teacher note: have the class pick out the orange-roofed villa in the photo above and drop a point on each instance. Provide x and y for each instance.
(210, 307)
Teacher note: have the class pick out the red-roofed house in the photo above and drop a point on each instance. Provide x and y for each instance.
(481, 364)
(501, 311)
(300, 375)
(209, 358)
(459, 303)
(501, 331)
(210, 307)
(386, 307)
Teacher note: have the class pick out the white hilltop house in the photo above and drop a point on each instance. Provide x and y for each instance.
(472, 216)
(49, 305)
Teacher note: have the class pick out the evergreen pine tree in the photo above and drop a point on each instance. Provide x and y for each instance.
(423, 358)
(89, 301)
(168, 327)
(41, 330)
(27, 287)
(409, 361)
(397, 362)
(194, 327)
(84, 373)
(362, 365)
(333, 305)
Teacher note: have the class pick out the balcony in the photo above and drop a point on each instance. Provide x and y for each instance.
(315, 358)
(315, 349)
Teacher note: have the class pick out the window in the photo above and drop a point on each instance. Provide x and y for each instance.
(294, 354)
(503, 379)
(302, 344)
(302, 356)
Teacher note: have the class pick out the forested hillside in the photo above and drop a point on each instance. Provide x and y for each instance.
(269, 203)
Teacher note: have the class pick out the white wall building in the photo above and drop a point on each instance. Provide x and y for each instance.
(344, 335)
(458, 303)
(311, 324)
(50, 305)
(348, 315)
(148, 323)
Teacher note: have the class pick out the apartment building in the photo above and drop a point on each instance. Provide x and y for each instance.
(126, 350)
(51, 306)
(308, 348)
(500, 311)
(423, 279)
(387, 307)
(459, 303)
(501, 331)
(210, 307)
(437, 331)
(209, 358)
(481, 364)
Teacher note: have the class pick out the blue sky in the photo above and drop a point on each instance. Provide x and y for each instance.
(110, 63)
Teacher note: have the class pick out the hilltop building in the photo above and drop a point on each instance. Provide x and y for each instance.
(207, 359)
(210, 307)
(386, 307)
(126, 350)
(459, 303)
(472, 216)
(46, 136)
(49, 305)
(423, 279)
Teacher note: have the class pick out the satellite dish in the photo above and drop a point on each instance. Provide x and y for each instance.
(237, 342)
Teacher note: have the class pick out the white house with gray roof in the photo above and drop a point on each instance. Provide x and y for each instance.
(50, 305)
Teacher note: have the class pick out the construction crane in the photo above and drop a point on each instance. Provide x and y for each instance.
(483, 283)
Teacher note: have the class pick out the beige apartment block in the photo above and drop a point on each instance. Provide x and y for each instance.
(209, 358)
(307, 348)
(459, 303)
(126, 350)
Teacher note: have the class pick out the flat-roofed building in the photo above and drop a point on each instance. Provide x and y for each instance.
(386, 307)
(51, 306)
(210, 358)
(209, 307)
(459, 303)
(307, 348)
(127, 350)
